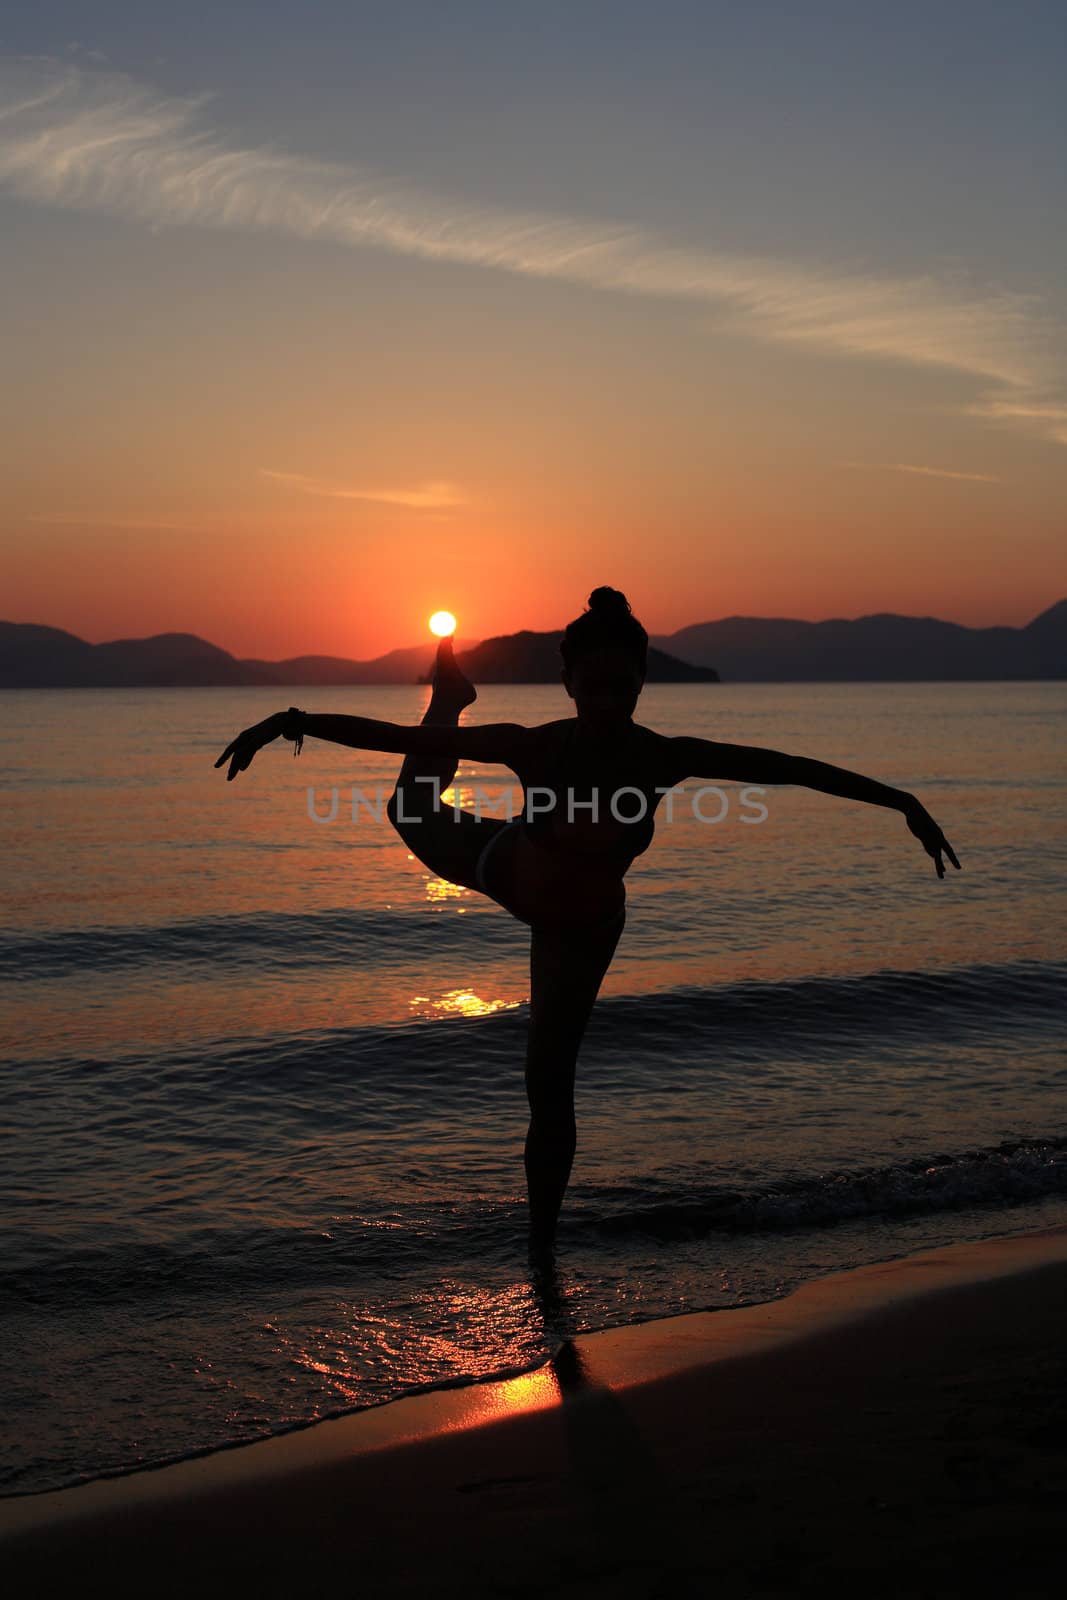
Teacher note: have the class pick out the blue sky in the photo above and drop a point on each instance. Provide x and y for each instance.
(940, 125)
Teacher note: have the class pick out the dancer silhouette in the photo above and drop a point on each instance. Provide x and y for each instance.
(592, 783)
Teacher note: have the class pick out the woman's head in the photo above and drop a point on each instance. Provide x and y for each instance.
(605, 654)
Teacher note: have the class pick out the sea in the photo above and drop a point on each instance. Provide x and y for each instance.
(263, 1107)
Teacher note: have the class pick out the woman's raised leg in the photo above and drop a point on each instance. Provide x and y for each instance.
(566, 971)
(446, 841)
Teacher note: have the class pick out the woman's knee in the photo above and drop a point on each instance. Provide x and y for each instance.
(393, 810)
(550, 1094)
(410, 805)
(555, 1128)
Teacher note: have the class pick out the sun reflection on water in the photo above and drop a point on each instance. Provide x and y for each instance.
(459, 1002)
(438, 889)
(448, 1332)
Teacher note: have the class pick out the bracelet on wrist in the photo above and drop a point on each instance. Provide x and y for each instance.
(294, 726)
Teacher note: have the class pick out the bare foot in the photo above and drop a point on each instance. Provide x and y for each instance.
(451, 689)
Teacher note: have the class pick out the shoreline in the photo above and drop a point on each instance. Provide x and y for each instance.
(904, 1397)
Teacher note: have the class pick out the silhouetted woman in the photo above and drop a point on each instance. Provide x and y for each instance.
(592, 783)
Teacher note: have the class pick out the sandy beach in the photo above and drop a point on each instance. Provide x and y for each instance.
(900, 1428)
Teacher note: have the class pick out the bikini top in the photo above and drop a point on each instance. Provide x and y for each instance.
(635, 824)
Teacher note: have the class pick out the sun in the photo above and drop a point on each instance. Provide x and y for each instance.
(442, 623)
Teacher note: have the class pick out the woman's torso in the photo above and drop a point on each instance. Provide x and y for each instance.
(587, 813)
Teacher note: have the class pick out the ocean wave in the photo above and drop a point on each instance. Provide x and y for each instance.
(767, 1018)
(1010, 1173)
(263, 939)
(204, 1264)
(830, 1011)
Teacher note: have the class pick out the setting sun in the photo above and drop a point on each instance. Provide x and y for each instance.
(442, 623)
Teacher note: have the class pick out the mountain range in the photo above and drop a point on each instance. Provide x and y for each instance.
(36, 657)
(883, 648)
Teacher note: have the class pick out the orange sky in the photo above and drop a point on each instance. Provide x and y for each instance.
(299, 407)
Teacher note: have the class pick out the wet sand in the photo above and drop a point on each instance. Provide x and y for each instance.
(900, 1429)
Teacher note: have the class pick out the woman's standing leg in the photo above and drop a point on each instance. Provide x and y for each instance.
(566, 971)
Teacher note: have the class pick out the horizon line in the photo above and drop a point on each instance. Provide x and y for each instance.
(734, 616)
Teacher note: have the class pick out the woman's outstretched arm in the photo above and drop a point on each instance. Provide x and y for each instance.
(744, 763)
(493, 741)
(750, 763)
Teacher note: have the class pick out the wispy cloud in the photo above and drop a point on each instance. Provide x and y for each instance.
(100, 141)
(432, 496)
(1049, 417)
(923, 472)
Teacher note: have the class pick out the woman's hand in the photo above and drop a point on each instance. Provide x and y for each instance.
(929, 834)
(244, 747)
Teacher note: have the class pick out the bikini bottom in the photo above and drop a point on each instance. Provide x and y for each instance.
(602, 925)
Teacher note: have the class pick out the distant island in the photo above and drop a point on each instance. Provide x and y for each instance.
(534, 658)
(36, 657)
(884, 648)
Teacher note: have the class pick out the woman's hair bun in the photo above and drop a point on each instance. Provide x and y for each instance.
(607, 623)
(609, 603)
